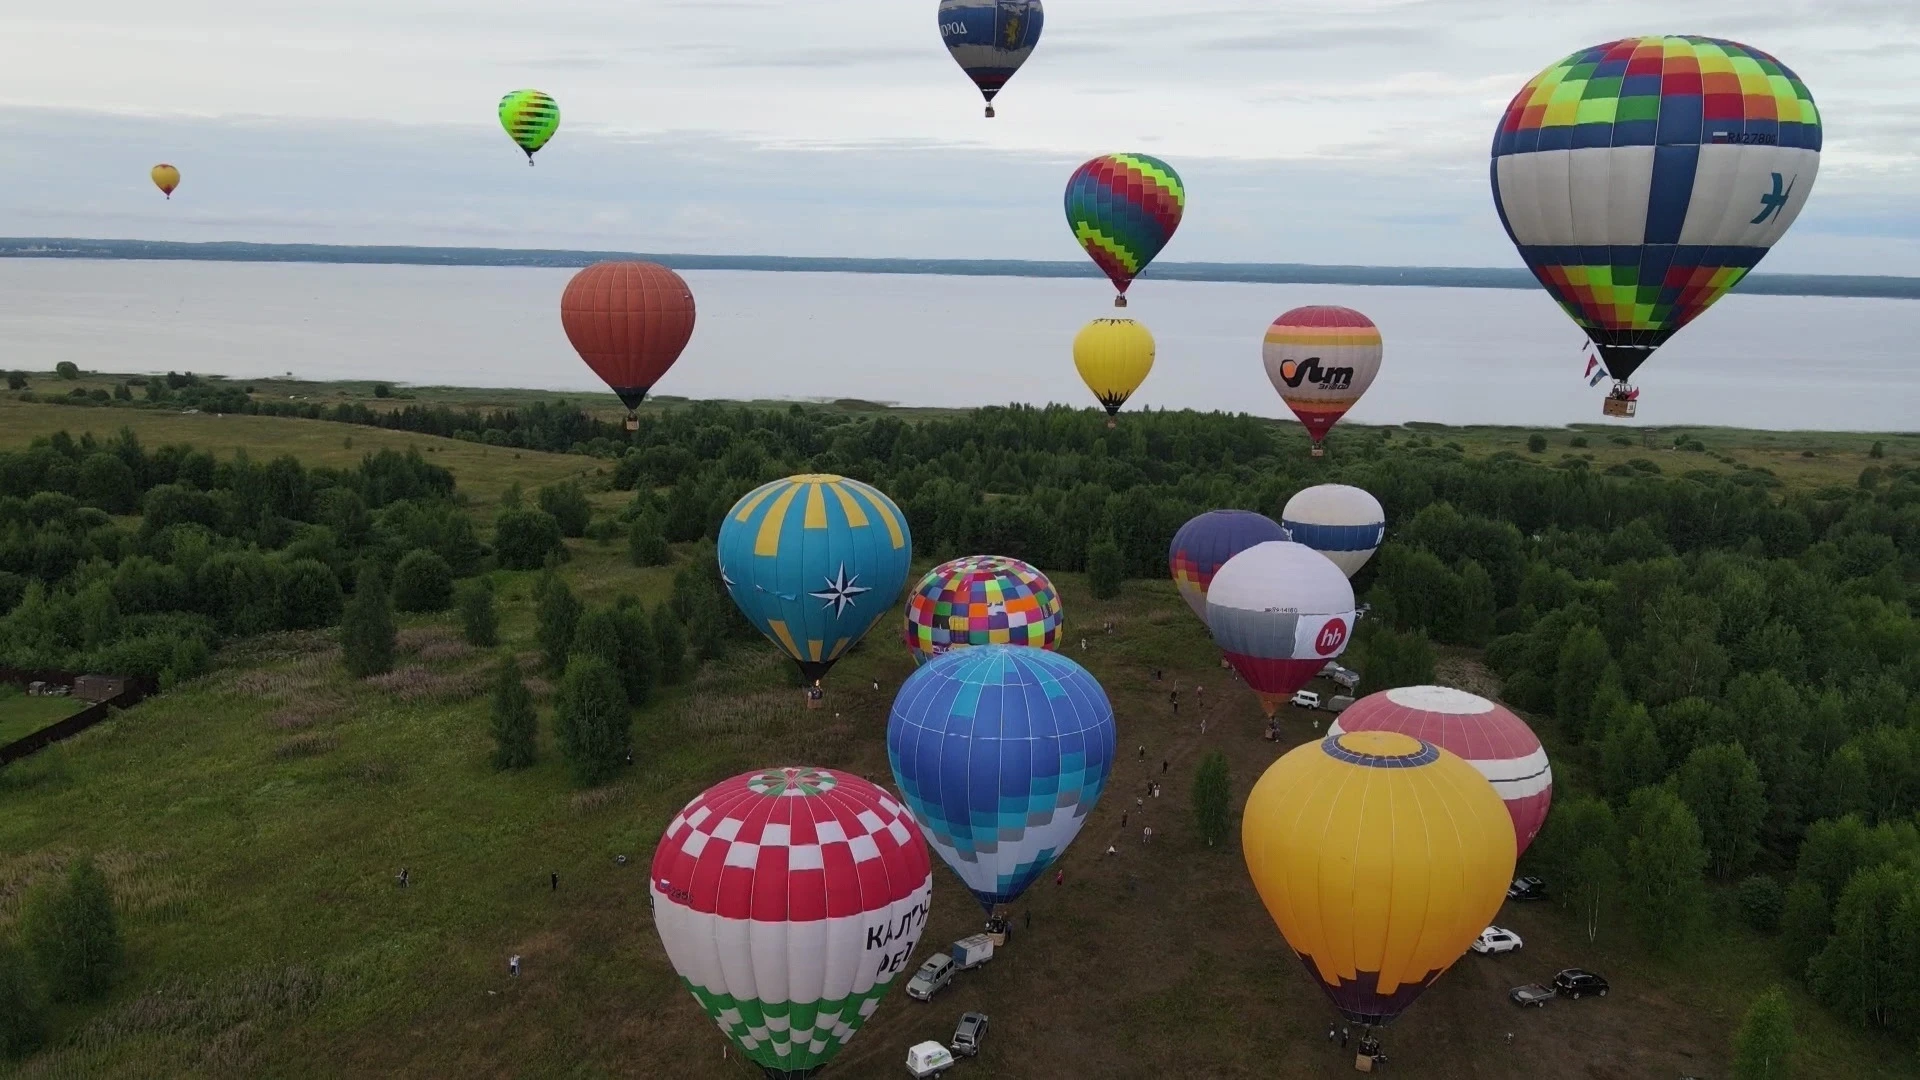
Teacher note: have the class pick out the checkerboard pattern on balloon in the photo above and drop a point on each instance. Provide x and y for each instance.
(982, 600)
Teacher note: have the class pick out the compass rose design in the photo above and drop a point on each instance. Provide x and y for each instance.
(840, 591)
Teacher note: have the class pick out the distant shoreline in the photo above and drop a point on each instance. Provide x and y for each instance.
(1457, 277)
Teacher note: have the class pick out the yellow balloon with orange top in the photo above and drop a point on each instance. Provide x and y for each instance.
(1381, 857)
(1113, 357)
(166, 178)
(1321, 358)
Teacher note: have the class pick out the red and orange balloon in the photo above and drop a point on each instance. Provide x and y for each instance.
(629, 321)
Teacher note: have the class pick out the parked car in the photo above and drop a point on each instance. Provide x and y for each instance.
(928, 1059)
(967, 1036)
(1306, 699)
(932, 977)
(1496, 940)
(1338, 703)
(1527, 888)
(1531, 994)
(1575, 982)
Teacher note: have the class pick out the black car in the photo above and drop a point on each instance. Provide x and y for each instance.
(1527, 888)
(967, 1036)
(1575, 982)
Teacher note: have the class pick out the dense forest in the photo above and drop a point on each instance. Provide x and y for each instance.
(1727, 674)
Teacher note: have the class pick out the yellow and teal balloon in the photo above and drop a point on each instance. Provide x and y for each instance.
(1381, 857)
(1113, 357)
(530, 118)
(813, 561)
(166, 178)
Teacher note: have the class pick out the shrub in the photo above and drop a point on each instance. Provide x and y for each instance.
(422, 582)
(1106, 568)
(646, 543)
(23, 1016)
(72, 934)
(524, 538)
(366, 630)
(591, 721)
(557, 613)
(515, 734)
(1577, 442)
(639, 664)
(108, 483)
(479, 618)
(1877, 450)
(1762, 901)
(670, 642)
(191, 659)
(382, 390)
(1537, 443)
(16, 380)
(307, 594)
(67, 369)
(569, 507)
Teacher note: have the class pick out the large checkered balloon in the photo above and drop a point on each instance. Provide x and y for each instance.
(788, 899)
(1001, 753)
(981, 600)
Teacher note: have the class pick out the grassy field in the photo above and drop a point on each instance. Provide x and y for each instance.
(252, 823)
(21, 715)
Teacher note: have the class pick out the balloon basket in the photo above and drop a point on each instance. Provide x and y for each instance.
(632, 421)
(816, 697)
(989, 112)
(1119, 301)
(1363, 1063)
(1620, 407)
(1112, 423)
(1319, 451)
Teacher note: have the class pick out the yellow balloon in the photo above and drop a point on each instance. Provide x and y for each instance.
(1114, 356)
(166, 178)
(1381, 857)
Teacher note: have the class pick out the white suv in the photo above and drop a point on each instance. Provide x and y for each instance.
(1495, 940)
(1306, 699)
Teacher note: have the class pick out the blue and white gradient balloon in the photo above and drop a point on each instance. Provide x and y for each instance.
(990, 39)
(813, 561)
(1343, 523)
(1000, 752)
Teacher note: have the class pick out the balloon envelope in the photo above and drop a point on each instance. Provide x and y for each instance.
(629, 321)
(981, 600)
(1123, 209)
(1321, 359)
(530, 119)
(1380, 858)
(1344, 523)
(1001, 753)
(1113, 357)
(990, 39)
(1643, 178)
(813, 561)
(1204, 544)
(1485, 735)
(788, 900)
(1279, 611)
(166, 178)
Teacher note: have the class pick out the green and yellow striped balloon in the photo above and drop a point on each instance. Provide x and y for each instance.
(530, 118)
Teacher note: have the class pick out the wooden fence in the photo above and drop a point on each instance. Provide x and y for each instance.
(137, 690)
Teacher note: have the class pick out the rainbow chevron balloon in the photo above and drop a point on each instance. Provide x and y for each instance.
(1123, 209)
(530, 118)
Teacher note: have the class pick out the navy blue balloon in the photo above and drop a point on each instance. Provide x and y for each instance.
(990, 39)
(1001, 752)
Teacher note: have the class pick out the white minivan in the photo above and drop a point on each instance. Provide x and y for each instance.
(1306, 699)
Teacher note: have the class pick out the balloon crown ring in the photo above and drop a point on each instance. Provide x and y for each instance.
(1380, 749)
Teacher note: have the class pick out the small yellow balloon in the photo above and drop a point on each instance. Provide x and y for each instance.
(1113, 357)
(166, 178)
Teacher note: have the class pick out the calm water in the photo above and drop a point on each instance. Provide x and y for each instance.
(1454, 356)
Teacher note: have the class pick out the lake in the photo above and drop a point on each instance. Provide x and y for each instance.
(1455, 356)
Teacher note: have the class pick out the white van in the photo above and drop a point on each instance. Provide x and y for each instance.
(1306, 699)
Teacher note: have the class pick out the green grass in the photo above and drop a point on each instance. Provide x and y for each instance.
(21, 715)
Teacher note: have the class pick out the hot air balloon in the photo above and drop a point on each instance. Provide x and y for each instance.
(1487, 736)
(1321, 359)
(1113, 357)
(530, 118)
(166, 178)
(1381, 858)
(1204, 544)
(1123, 209)
(1341, 522)
(981, 600)
(629, 321)
(788, 900)
(1643, 178)
(813, 561)
(990, 39)
(1001, 753)
(1280, 611)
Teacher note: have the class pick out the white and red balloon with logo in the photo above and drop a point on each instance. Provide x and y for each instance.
(1279, 611)
(788, 900)
(1489, 736)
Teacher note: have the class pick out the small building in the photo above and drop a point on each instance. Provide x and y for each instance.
(97, 688)
(36, 688)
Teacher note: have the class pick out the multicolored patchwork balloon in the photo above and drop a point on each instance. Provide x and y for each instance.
(1321, 359)
(1204, 544)
(990, 39)
(1001, 753)
(788, 900)
(1123, 209)
(981, 600)
(1643, 178)
(1279, 611)
(530, 118)
(813, 561)
(1486, 735)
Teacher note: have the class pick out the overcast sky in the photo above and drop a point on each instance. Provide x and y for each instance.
(1325, 131)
